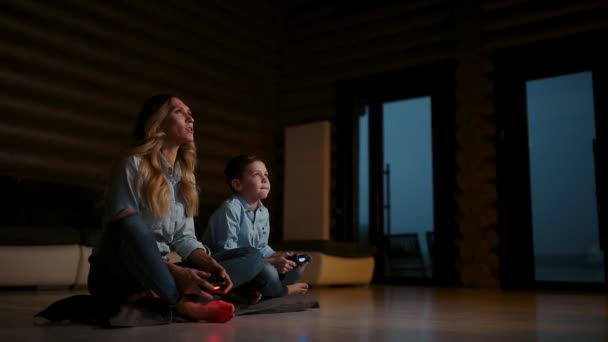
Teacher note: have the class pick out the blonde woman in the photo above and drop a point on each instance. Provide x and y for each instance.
(151, 200)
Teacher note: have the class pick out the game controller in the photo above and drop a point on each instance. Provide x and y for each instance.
(299, 259)
(217, 282)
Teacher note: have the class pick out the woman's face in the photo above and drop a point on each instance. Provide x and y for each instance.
(179, 123)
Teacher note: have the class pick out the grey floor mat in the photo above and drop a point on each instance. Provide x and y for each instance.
(84, 309)
(297, 302)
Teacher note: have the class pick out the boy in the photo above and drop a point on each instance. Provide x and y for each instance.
(243, 221)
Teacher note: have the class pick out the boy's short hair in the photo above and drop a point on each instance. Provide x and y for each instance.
(236, 167)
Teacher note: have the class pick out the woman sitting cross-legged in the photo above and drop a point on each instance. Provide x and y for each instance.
(150, 203)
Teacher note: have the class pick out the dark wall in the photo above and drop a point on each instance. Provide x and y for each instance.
(331, 42)
(73, 75)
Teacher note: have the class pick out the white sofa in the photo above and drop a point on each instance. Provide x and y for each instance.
(47, 232)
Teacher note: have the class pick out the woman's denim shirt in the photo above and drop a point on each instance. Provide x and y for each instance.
(175, 230)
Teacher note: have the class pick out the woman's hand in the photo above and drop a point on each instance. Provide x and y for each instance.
(205, 262)
(281, 263)
(190, 281)
(228, 286)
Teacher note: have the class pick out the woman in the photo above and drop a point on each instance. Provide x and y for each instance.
(150, 204)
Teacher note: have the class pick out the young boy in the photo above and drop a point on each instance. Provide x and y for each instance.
(243, 221)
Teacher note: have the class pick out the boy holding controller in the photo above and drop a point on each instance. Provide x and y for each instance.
(243, 221)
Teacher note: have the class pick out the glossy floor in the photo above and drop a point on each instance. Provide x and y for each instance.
(377, 313)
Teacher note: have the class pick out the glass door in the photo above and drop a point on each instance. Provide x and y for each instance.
(407, 185)
(561, 134)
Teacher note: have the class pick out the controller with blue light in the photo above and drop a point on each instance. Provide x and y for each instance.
(299, 259)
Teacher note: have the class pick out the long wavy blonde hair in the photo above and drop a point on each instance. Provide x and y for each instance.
(149, 137)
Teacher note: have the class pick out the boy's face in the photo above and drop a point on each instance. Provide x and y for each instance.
(254, 184)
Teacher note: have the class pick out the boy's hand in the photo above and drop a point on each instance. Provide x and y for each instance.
(281, 263)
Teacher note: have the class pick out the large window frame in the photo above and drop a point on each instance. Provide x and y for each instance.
(512, 69)
(436, 81)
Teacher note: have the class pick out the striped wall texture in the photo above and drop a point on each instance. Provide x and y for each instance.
(74, 73)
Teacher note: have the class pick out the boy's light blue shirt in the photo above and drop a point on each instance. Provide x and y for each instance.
(235, 224)
(174, 231)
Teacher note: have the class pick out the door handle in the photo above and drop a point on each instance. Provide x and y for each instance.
(600, 168)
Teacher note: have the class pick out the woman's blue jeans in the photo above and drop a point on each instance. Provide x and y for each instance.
(127, 260)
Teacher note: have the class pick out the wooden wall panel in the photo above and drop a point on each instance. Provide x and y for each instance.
(73, 75)
(332, 41)
(326, 44)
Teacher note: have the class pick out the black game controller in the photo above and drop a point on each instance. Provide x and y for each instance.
(299, 259)
(217, 282)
